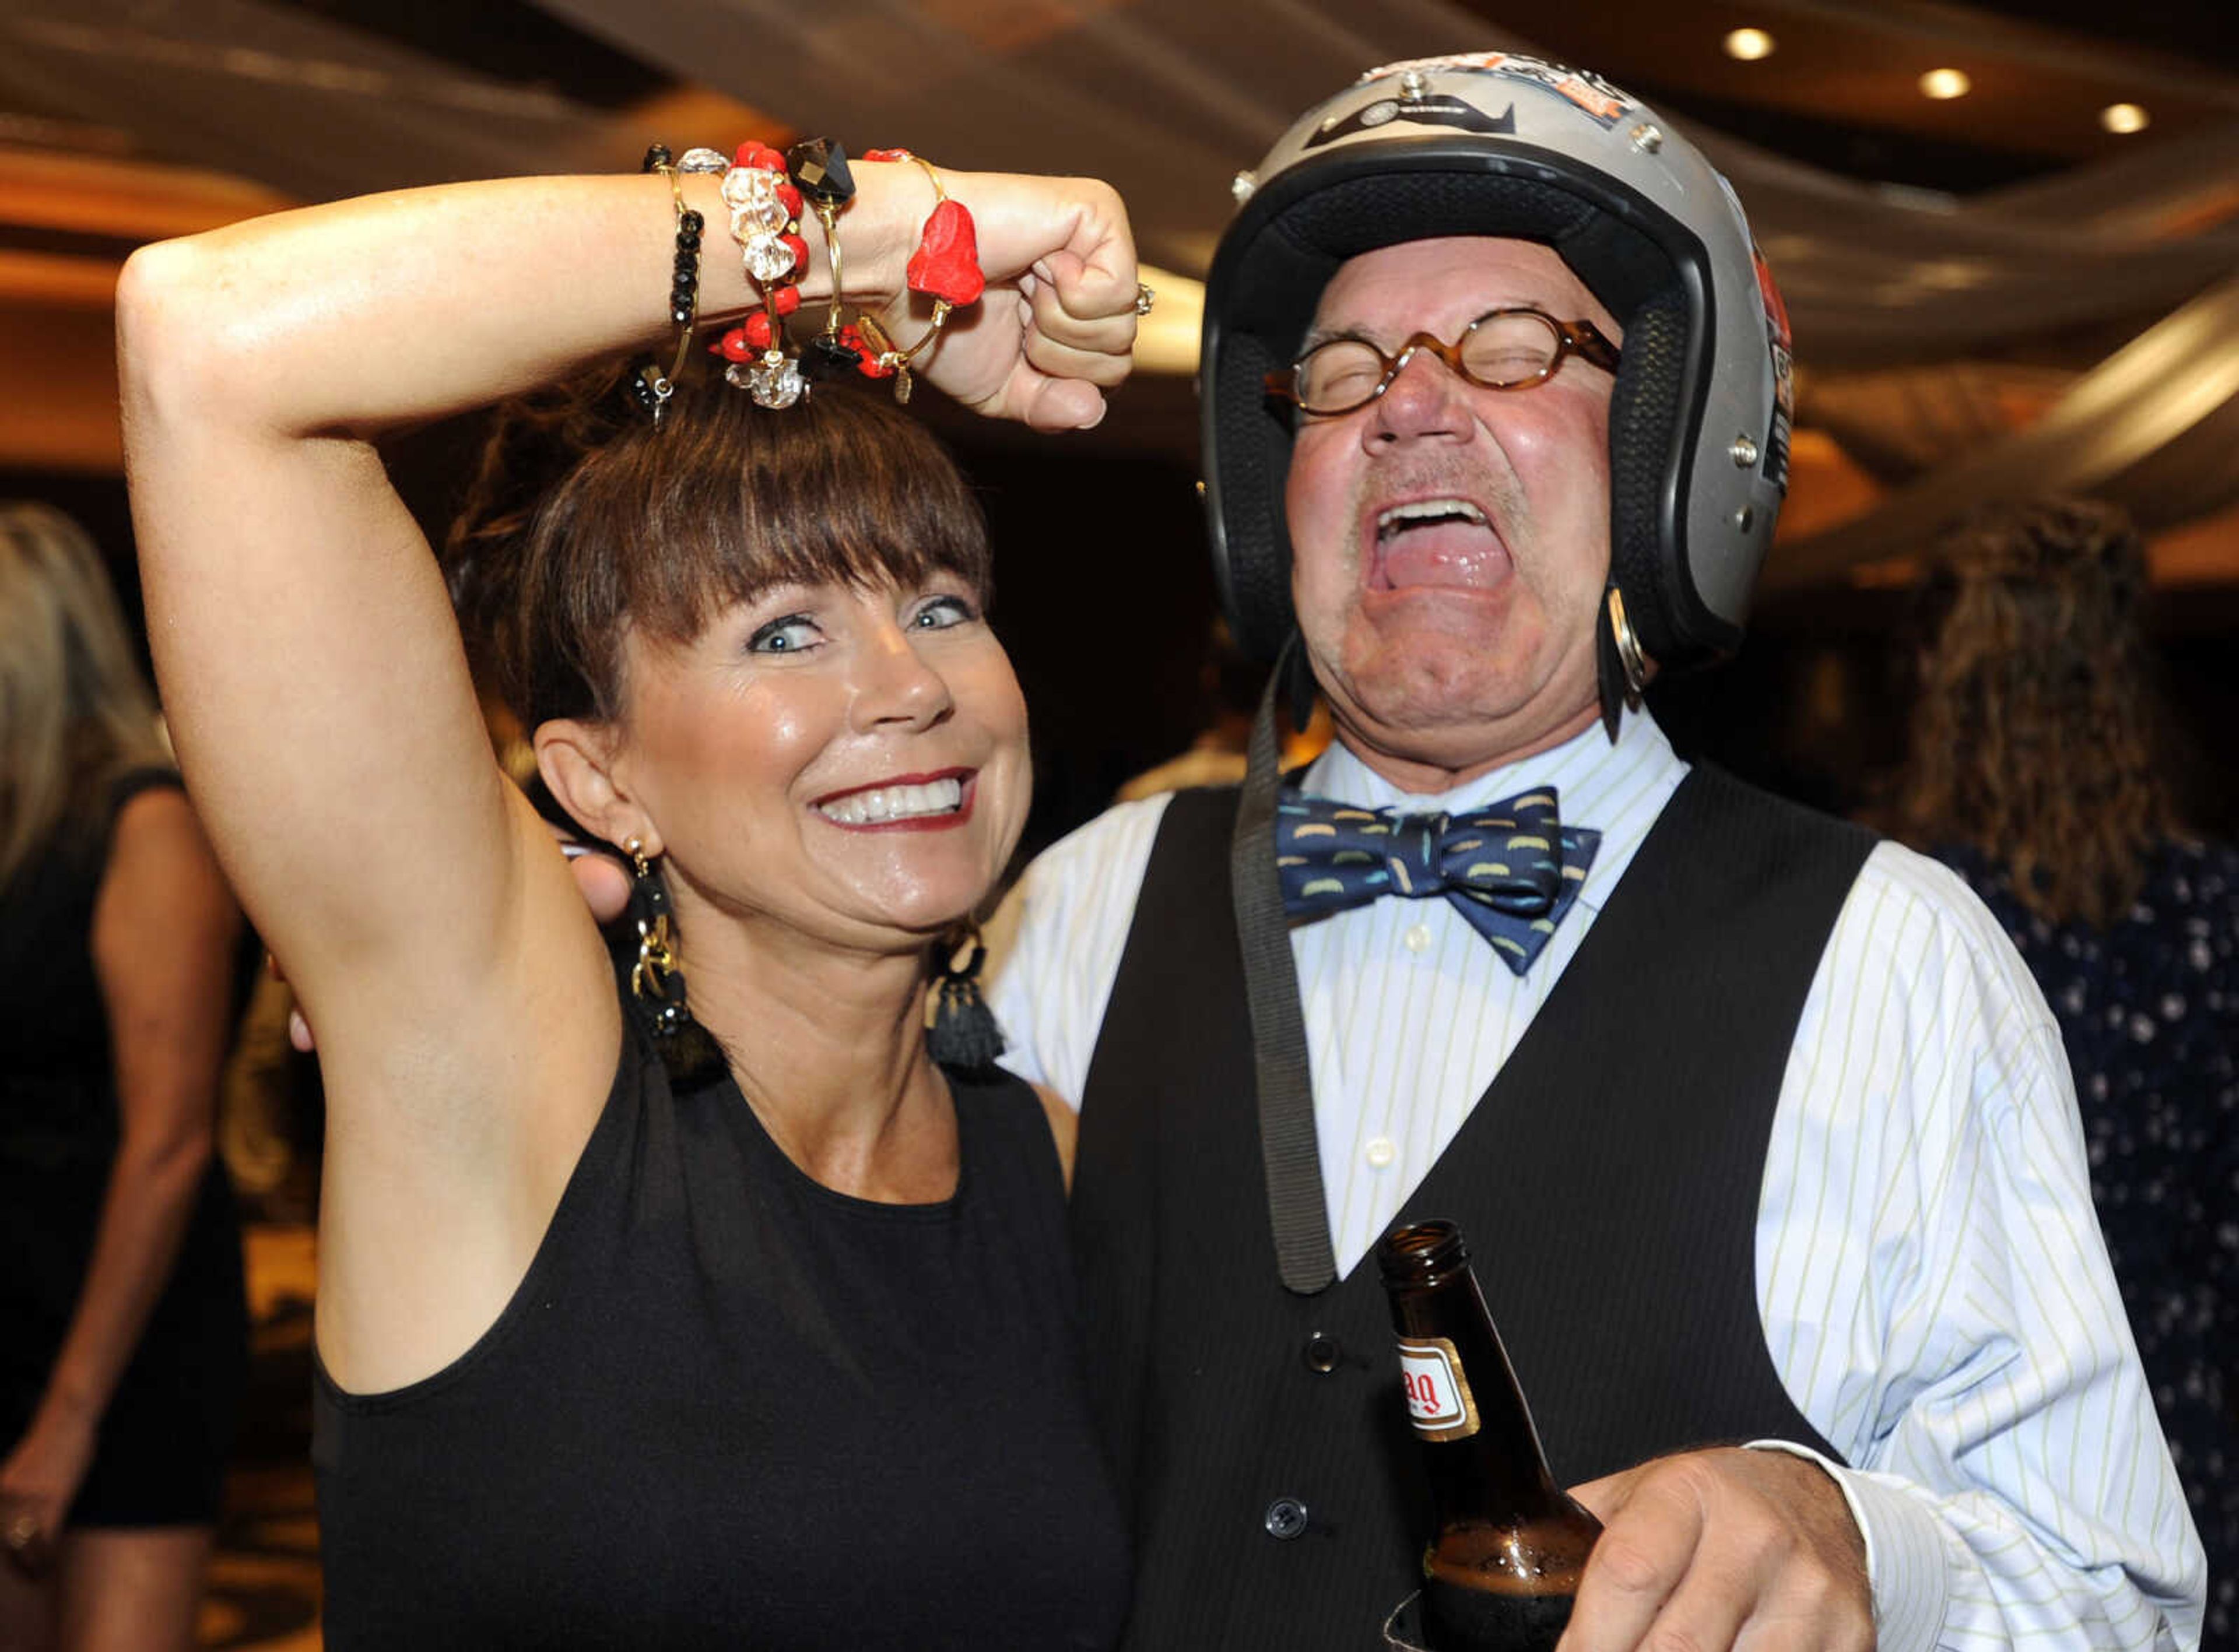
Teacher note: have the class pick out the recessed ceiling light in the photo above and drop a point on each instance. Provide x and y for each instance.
(2124, 117)
(1749, 44)
(1942, 83)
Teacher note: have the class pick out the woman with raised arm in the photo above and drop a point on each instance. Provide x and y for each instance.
(123, 1331)
(686, 1303)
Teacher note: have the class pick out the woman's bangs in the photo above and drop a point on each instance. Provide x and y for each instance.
(837, 504)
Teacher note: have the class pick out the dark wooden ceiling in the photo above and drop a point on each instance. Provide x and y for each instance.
(1841, 92)
(1842, 89)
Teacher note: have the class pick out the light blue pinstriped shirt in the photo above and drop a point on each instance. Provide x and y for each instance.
(1935, 1294)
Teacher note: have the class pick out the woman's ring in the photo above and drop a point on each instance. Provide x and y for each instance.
(27, 1544)
(1145, 297)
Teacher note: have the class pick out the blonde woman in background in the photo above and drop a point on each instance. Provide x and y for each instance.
(121, 1326)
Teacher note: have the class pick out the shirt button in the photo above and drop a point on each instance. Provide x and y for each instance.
(1380, 1153)
(1285, 1518)
(1417, 938)
(1322, 1352)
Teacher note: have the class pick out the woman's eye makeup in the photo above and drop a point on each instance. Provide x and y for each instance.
(938, 613)
(788, 635)
(799, 632)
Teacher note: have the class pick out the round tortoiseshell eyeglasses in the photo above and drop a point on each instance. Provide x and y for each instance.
(1502, 350)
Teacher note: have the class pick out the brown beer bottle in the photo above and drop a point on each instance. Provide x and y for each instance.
(1503, 1567)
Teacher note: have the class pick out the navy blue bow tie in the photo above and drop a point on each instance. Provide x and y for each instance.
(1512, 868)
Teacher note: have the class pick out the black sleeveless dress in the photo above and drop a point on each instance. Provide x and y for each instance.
(730, 1407)
(160, 1459)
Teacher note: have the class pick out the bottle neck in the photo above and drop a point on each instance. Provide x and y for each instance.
(1490, 1467)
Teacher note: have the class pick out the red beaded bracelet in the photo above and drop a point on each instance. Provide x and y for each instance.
(945, 266)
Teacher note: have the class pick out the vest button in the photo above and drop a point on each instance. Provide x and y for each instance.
(1322, 1352)
(1285, 1518)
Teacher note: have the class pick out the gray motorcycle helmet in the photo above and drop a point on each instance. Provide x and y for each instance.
(1494, 143)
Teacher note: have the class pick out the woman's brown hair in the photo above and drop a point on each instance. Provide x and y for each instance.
(2034, 737)
(584, 518)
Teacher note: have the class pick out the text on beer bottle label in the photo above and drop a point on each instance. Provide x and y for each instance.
(1439, 1403)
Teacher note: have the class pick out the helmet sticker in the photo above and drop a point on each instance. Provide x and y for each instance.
(1440, 110)
(1586, 91)
(1784, 372)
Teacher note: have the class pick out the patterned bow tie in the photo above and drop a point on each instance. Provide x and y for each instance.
(1513, 869)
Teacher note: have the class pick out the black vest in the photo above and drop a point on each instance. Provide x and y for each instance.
(1607, 1181)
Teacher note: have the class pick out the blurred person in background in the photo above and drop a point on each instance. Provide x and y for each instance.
(1229, 686)
(122, 1329)
(2039, 770)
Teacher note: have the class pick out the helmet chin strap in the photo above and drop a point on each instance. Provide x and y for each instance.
(1294, 679)
(1297, 1212)
(1623, 670)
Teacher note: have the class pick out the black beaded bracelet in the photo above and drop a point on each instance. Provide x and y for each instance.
(652, 386)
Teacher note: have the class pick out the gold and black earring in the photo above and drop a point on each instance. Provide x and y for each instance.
(657, 978)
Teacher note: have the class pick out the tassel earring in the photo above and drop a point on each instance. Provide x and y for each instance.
(657, 980)
(964, 1033)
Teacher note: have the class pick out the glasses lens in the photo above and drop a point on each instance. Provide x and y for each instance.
(1338, 377)
(1512, 347)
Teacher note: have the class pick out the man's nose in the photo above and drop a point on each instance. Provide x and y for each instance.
(896, 684)
(1425, 398)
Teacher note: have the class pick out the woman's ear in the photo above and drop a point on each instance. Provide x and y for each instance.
(578, 761)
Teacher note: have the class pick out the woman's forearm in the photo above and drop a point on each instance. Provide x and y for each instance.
(359, 315)
(352, 317)
(150, 1197)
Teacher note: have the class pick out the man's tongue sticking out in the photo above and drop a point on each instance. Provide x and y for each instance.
(1437, 542)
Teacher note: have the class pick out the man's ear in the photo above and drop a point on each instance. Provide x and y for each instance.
(579, 761)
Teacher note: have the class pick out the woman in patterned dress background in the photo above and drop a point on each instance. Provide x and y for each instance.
(2039, 770)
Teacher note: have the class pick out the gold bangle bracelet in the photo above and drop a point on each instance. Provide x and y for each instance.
(827, 214)
(898, 360)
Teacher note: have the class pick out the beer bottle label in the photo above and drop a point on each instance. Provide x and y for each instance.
(1439, 1403)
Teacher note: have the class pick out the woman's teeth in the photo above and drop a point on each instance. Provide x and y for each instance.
(895, 803)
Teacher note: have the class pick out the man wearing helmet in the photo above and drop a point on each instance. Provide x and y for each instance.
(1759, 1127)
